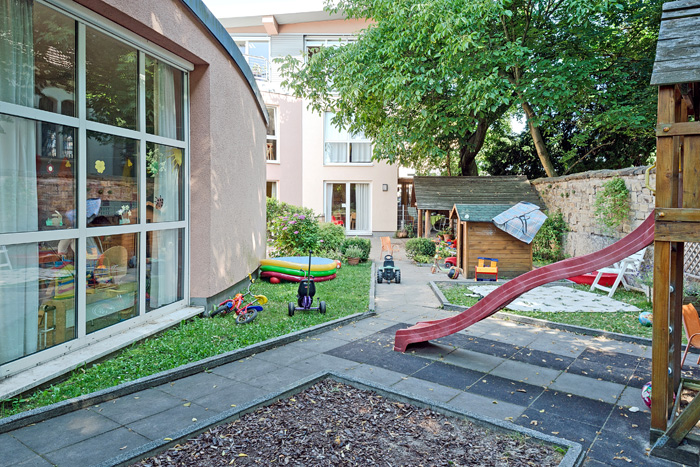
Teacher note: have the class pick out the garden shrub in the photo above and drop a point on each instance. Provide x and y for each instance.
(420, 246)
(331, 236)
(294, 234)
(547, 244)
(363, 243)
(277, 209)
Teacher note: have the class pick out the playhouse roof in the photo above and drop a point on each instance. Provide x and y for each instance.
(442, 193)
(678, 47)
(478, 212)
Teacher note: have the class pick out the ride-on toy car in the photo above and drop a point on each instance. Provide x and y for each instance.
(305, 294)
(388, 272)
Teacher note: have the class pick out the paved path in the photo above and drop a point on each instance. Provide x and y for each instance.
(568, 385)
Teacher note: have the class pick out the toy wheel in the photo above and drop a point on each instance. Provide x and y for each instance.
(291, 308)
(221, 309)
(397, 275)
(379, 277)
(322, 307)
(448, 265)
(246, 316)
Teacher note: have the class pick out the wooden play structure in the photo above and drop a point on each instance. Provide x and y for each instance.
(438, 195)
(477, 236)
(677, 220)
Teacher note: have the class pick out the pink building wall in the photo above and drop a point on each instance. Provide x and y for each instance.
(227, 141)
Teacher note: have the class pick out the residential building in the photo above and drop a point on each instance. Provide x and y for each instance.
(310, 162)
(120, 177)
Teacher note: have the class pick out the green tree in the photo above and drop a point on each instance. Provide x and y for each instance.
(429, 77)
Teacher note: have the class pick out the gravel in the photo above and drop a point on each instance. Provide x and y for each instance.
(331, 424)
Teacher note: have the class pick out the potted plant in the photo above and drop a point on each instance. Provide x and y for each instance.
(446, 234)
(353, 255)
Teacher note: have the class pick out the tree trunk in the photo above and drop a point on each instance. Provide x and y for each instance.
(469, 150)
(542, 152)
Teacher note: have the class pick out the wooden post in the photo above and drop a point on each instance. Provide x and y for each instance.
(460, 242)
(420, 223)
(428, 225)
(666, 187)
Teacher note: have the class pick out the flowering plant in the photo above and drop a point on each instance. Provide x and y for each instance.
(294, 234)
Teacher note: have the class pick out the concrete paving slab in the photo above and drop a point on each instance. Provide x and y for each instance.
(472, 360)
(430, 350)
(169, 421)
(531, 374)
(13, 451)
(567, 344)
(245, 369)
(285, 356)
(375, 374)
(320, 362)
(506, 390)
(136, 406)
(583, 386)
(64, 430)
(426, 389)
(278, 378)
(195, 386)
(225, 398)
(632, 397)
(36, 461)
(320, 343)
(487, 406)
(95, 449)
(576, 408)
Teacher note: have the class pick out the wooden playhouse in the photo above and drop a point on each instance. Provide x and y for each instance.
(477, 236)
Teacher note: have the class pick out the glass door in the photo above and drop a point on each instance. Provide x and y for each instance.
(348, 204)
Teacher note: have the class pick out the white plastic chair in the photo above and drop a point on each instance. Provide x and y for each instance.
(629, 265)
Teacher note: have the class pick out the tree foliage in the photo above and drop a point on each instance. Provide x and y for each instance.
(428, 78)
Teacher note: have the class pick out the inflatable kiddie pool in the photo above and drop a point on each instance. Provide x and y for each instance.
(293, 268)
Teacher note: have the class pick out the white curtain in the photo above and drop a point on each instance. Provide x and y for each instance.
(335, 153)
(165, 247)
(362, 204)
(360, 152)
(19, 288)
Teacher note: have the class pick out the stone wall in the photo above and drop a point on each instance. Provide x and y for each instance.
(574, 195)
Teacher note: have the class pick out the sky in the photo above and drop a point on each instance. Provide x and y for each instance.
(232, 8)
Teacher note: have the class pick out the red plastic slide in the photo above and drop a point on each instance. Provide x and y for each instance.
(641, 237)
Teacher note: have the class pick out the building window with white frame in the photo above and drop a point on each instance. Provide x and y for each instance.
(272, 136)
(342, 147)
(271, 190)
(257, 53)
(92, 179)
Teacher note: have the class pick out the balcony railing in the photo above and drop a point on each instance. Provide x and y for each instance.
(259, 65)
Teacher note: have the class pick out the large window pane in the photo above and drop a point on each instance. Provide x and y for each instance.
(37, 297)
(163, 268)
(37, 175)
(112, 280)
(111, 70)
(163, 183)
(164, 96)
(37, 57)
(112, 174)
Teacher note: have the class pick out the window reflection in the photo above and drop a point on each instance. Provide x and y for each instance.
(111, 80)
(37, 175)
(37, 57)
(112, 171)
(163, 183)
(37, 298)
(112, 280)
(164, 96)
(163, 268)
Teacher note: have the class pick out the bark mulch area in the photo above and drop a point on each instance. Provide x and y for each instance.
(332, 424)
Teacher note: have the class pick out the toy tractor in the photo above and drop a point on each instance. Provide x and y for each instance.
(388, 272)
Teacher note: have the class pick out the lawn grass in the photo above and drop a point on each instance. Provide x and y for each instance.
(200, 338)
(620, 322)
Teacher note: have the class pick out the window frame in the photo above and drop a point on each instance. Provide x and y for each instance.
(275, 137)
(348, 141)
(86, 18)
